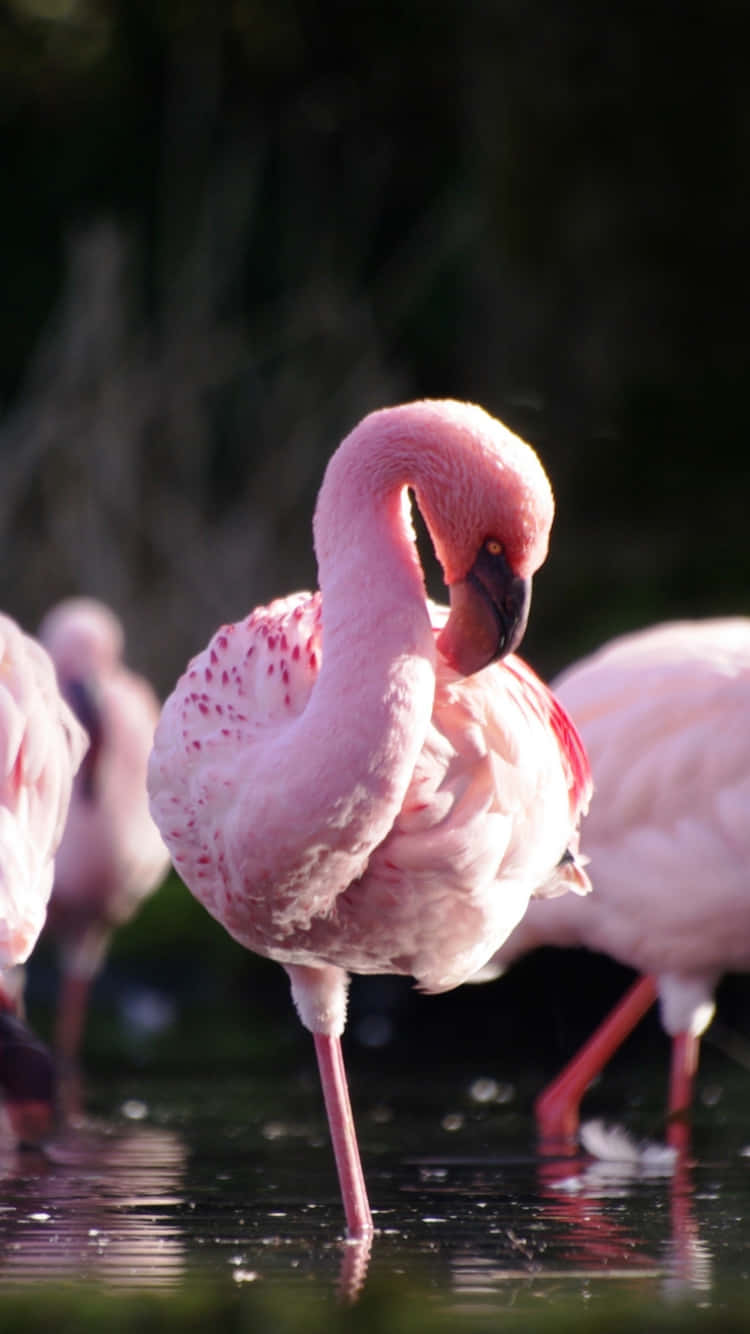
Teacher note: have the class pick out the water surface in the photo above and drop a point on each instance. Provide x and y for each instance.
(232, 1181)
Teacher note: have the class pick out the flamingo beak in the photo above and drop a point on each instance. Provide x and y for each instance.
(489, 610)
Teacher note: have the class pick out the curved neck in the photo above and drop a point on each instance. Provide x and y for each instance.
(330, 787)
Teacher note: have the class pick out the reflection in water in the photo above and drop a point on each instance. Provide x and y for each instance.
(690, 1264)
(355, 1261)
(596, 1241)
(484, 1230)
(631, 1221)
(216, 1188)
(584, 1194)
(564, 1235)
(99, 1203)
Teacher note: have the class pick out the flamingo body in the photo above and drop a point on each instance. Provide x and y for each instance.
(663, 714)
(111, 855)
(41, 747)
(491, 802)
(330, 786)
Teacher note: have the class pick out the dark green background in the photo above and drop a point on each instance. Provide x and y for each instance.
(230, 230)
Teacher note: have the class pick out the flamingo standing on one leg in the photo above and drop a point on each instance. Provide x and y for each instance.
(112, 855)
(663, 714)
(330, 785)
(41, 747)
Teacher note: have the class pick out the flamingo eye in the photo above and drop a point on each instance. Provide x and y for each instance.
(494, 547)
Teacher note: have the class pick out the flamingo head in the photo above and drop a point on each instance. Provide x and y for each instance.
(489, 611)
(488, 505)
(485, 499)
(82, 636)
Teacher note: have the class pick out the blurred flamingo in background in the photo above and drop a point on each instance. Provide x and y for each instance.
(664, 717)
(41, 747)
(331, 786)
(111, 855)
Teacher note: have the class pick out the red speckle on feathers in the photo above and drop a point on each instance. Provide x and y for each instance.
(552, 712)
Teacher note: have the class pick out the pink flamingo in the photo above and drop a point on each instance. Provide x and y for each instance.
(111, 855)
(663, 714)
(41, 747)
(331, 788)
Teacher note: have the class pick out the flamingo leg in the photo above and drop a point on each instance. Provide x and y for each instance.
(343, 1136)
(685, 1050)
(71, 1015)
(557, 1107)
(74, 993)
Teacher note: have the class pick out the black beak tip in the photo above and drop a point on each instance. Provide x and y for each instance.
(513, 615)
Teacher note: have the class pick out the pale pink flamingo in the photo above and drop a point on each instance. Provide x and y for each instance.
(664, 717)
(330, 785)
(111, 856)
(41, 747)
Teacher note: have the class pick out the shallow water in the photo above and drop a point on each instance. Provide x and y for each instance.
(232, 1180)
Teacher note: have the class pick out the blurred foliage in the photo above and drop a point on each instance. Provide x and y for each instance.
(293, 213)
(382, 1310)
(230, 230)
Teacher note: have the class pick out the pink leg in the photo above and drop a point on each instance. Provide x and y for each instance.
(343, 1136)
(71, 1016)
(685, 1049)
(556, 1108)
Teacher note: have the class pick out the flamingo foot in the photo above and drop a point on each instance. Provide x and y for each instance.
(557, 1109)
(359, 1223)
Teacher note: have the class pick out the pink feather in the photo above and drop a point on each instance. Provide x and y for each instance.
(330, 789)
